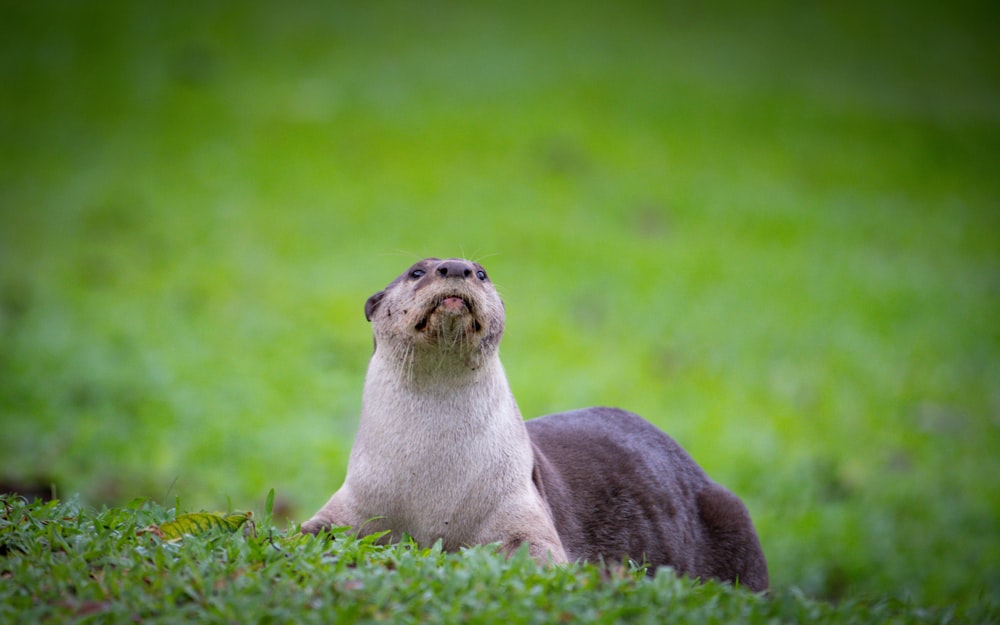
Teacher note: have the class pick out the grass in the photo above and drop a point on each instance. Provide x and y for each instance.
(770, 230)
(65, 562)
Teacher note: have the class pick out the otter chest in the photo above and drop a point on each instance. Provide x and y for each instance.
(439, 477)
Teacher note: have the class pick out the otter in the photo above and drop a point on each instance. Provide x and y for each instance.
(443, 453)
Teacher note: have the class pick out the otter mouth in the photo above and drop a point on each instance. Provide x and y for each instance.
(449, 304)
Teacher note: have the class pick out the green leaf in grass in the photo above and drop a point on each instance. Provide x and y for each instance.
(196, 523)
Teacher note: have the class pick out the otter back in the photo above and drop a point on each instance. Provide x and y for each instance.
(621, 489)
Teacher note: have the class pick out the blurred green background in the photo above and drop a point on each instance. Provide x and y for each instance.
(770, 228)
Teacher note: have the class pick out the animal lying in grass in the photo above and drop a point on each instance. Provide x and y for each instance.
(442, 452)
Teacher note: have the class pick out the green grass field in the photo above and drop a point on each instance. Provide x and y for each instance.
(770, 229)
(66, 564)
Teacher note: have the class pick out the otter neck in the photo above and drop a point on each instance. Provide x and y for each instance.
(450, 402)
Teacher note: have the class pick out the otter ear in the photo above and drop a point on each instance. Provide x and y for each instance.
(372, 304)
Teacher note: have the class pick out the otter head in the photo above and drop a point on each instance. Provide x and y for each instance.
(438, 313)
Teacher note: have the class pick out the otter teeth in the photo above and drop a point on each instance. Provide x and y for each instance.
(453, 302)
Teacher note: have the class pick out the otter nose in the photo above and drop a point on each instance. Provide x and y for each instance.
(454, 268)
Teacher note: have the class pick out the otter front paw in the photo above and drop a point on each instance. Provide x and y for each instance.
(315, 526)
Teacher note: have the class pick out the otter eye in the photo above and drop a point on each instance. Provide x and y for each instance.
(481, 275)
(416, 273)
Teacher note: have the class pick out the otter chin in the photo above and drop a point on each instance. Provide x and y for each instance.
(442, 452)
(452, 315)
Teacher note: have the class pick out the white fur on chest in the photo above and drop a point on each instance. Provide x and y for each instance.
(437, 459)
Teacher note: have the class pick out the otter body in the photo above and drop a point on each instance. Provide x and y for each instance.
(442, 452)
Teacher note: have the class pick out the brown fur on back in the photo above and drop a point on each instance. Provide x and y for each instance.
(620, 489)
